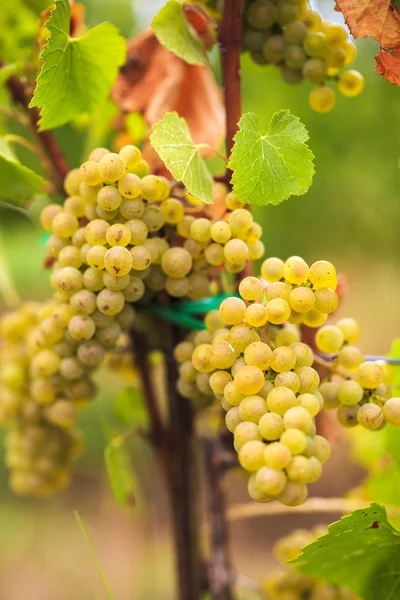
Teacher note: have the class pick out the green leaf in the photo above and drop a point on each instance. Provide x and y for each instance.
(268, 168)
(17, 182)
(171, 140)
(130, 408)
(361, 551)
(119, 471)
(77, 73)
(173, 31)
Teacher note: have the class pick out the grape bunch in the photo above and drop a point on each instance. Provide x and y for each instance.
(359, 389)
(270, 395)
(287, 584)
(293, 37)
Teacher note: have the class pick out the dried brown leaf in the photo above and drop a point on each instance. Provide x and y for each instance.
(388, 64)
(378, 19)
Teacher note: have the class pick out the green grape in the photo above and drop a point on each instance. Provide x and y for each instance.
(250, 288)
(283, 359)
(299, 469)
(273, 49)
(315, 467)
(314, 318)
(223, 355)
(91, 212)
(232, 310)
(314, 70)
(302, 299)
(267, 387)
(316, 44)
(108, 336)
(322, 449)
(64, 225)
(391, 411)
(69, 279)
(242, 335)
(256, 250)
(81, 328)
(220, 232)
(329, 339)
(288, 379)
(173, 211)
(249, 380)
(326, 300)
(280, 399)
(232, 394)
(270, 426)
(312, 20)
(88, 193)
(277, 456)
(252, 408)
(132, 209)
(278, 311)
(291, 76)
(214, 254)
(311, 403)
(199, 286)
(131, 155)
(183, 351)
(350, 357)
(259, 355)
(270, 481)
(111, 167)
(278, 289)
(47, 215)
(214, 322)
(237, 365)
(232, 419)
(218, 381)
(110, 303)
(153, 188)
(256, 315)
(297, 417)
(335, 57)
(254, 233)
(109, 198)
(93, 279)
(309, 380)
(98, 153)
(330, 394)
(61, 413)
(293, 494)
(370, 416)
(90, 353)
(83, 302)
(200, 230)
(54, 245)
(272, 269)
(153, 218)
(350, 329)
(89, 173)
(295, 270)
(201, 358)
(107, 215)
(347, 415)
(177, 288)
(323, 274)
(118, 235)
(42, 390)
(70, 256)
(255, 493)
(95, 256)
(176, 262)
(119, 261)
(253, 40)
(45, 363)
(251, 455)
(129, 186)
(295, 33)
(72, 182)
(287, 12)
(295, 57)
(350, 52)
(236, 251)
(295, 440)
(303, 353)
(95, 232)
(245, 432)
(71, 368)
(187, 372)
(240, 221)
(322, 98)
(351, 83)
(261, 14)
(370, 375)
(140, 257)
(75, 206)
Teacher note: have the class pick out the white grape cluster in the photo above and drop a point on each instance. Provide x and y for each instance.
(270, 394)
(360, 390)
(288, 584)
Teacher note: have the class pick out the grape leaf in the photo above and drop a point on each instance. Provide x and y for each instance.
(120, 472)
(129, 407)
(171, 140)
(268, 168)
(17, 182)
(172, 31)
(77, 73)
(361, 551)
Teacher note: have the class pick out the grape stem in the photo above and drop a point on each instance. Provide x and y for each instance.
(52, 156)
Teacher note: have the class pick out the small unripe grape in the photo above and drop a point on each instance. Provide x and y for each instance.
(220, 232)
(131, 155)
(249, 380)
(111, 167)
(280, 399)
(110, 303)
(278, 311)
(47, 215)
(89, 173)
(270, 481)
(64, 225)
(232, 310)
(130, 186)
(369, 375)
(251, 455)
(256, 315)
(351, 83)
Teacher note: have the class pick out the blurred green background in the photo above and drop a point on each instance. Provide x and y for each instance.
(350, 216)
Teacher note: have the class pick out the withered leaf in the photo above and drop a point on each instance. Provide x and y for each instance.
(379, 19)
(388, 64)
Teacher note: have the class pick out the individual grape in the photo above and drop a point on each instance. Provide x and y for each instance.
(287, 12)
(270, 481)
(323, 274)
(95, 256)
(129, 186)
(153, 188)
(309, 380)
(278, 289)
(295, 57)
(110, 303)
(261, 14)
(107, 215)
(201, 358)
(312, 20)
(302, 299)
(350, 52)
(111, 167)
(141, 258)
(232, 418)
(322, 99)
(61, 413)
(218, 381)
(350, 329)
(89, 173)
(293, 494)
(322, 448)
(156, 246)
(97, 154)
(64, 225)
(132, 209)
(223, 355)
(253, 40)
(288, 379)
(256, 315)
(369, 375)
(81, 328)
(250, 288)
(47, 215)
(252, 408)
(95, 232)
(280, 399)
(254, 233)
(277, 456)
(173, 211)
(259, 355)
(237, 365)
(303, 353)
(295, 440)
(68, 279)
(311, 403)
(273, 49)
(314, 70)
(119, 261)
(138, 231)
(70, 256)
(295, 33)
(236, 251)
(54, 245)
(199, 286)
(256, 250)
(153, 217)
(251, 455)
(220, 232)
(245, 432)
(350, 357)
(232, 310)
(278, 311)
(330, 394)
(42, 390)
(108, 336)
(131, 155)
(75, 206)
(299, 469)
(329, 339)
(176, 262)
(295, 270)
(391, 411)
(187, 372)
(316, 44)
(83, 302)
(232, 394)
(242, 335)
(271, 426)
(93, 279)
(177, 288)
(326, 300)
(72, 182)
(240, 221)
(71, 368)
(91, 353)
(335, 58)
(347, 415)
(214, 322)
(249, 380)
(88, 193)
(200, 230)
(283, 359)
(297, 417)
(118, 235)
(314, 318)
(214, 254)
(291, 76)
(351, 83)
(109, 198)
(45, 363)
(370, 416)
(255, 493)
(234, 268)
